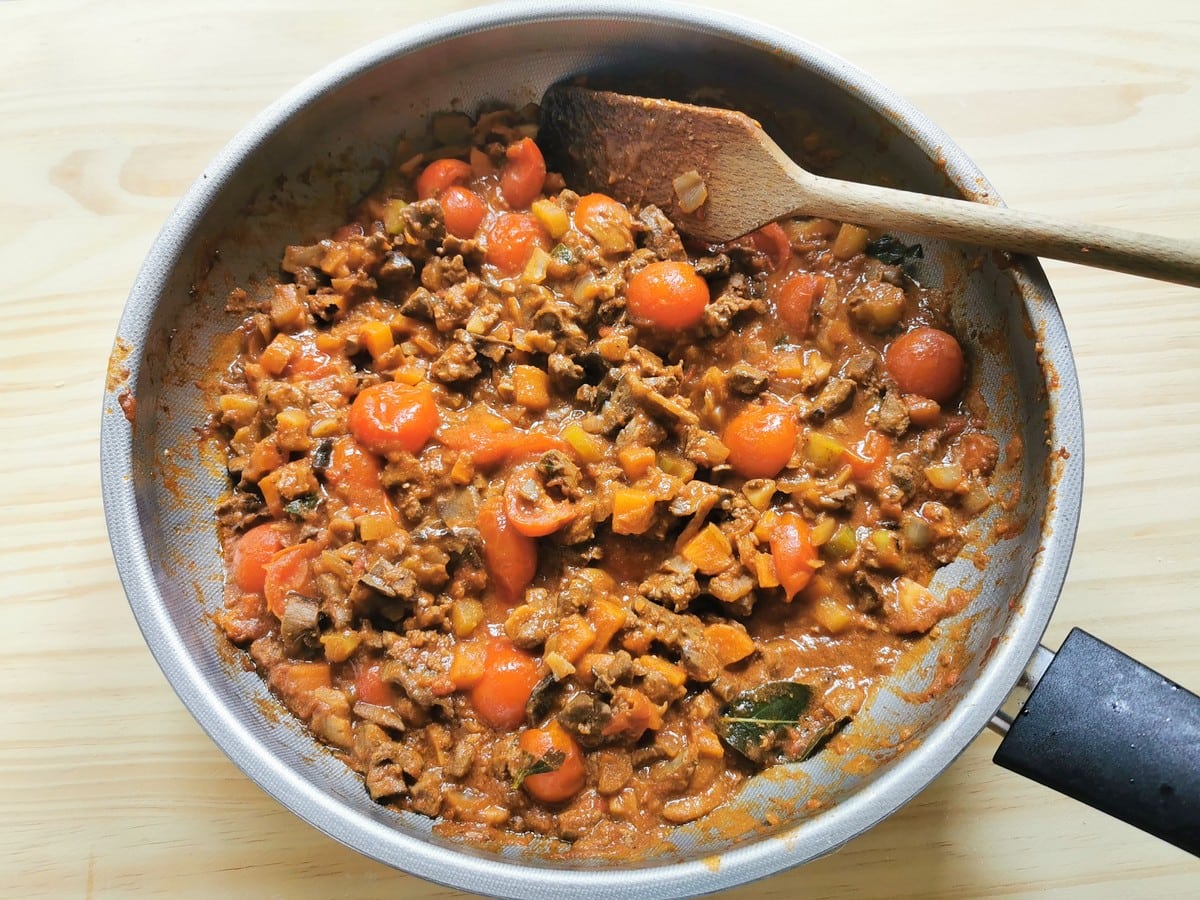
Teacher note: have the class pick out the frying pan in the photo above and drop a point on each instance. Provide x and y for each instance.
(1098, 725)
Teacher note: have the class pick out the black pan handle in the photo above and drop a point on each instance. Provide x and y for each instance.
(1108, 731)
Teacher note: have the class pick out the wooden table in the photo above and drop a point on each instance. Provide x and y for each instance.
(109, 110)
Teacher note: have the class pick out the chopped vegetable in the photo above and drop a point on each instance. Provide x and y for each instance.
(509, 676)
(531, 387)
(851, 240)
(463, 211)
(252, 553)
(441, 174)
(511, 556)
(606, 221)
(794, 298)
(709, 551)
(529, 506)
(511, 240)
(633, 511)
(288, 571)
(690, 191)
(667, 295)
(523, 173)
(392, 417)
(761, 440)
(793, 552)
(635, 460)
(561, 774)
(928, 362)
(729, 642)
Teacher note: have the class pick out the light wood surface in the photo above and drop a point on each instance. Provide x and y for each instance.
(109, 110)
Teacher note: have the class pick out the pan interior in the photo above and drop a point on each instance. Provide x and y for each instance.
(288, 179)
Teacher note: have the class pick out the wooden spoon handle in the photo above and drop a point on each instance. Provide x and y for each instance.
(1166, 259)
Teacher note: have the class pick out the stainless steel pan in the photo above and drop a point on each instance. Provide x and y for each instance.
(292, 173)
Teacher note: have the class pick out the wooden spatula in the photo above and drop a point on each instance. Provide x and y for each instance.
(673, 155)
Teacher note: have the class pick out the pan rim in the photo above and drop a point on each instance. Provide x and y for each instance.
(904, 778)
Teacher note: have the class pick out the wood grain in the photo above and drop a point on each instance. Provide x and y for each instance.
(107, 112)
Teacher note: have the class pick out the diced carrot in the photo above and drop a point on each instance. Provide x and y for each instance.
(709, 551)
(531, 387)
(764, 570)
(463, 470)
(275, 358)
(340, 645)
(674, 675)
(377, 338)
(305, 677)
(708, 745)
(467, 667)
(635, 715)
(633, 511)
(265, 457)
(730, 643)
(606, 618)
(574, 637)
(635, 460)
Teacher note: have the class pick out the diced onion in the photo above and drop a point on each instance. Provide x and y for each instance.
(535, 269)
(691, 191)
(916, 533)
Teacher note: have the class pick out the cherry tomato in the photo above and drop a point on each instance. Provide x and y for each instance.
(761, 440)
(606, 221)
(288, 571)
(870, 456)
(772, 240)
(794, 298)
(523, 174)
(490, 440)
(511, 557)
(393, 416)
(253, 551)
(529, 508)
(463, 211)
(793, 552)
(439, 175)
(369, 686)
(927, 362)
(511, 240)
(354, 473)
(568, 778)
(312, 363)
(667, 295)
(509, 678)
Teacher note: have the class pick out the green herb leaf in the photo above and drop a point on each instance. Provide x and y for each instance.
(893, 251)
(562, 254)
(751, 721)
(302, 505)
(540, 766)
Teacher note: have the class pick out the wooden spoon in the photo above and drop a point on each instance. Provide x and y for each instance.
(635, 148)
